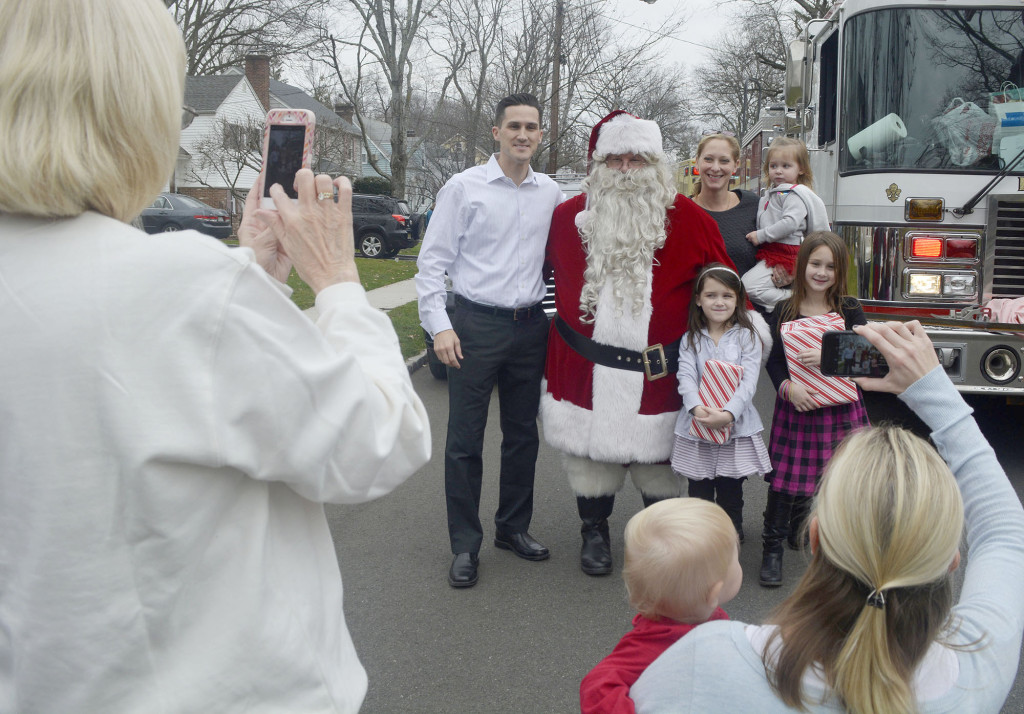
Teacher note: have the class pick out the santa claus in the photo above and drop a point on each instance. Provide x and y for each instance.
(624, 255)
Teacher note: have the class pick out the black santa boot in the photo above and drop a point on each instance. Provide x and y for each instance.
(776, 528)
(596, 553)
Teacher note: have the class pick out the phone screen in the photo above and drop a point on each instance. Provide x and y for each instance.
(284, 157)
(847, 354)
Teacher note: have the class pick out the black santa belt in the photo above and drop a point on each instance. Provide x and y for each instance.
(655, 361)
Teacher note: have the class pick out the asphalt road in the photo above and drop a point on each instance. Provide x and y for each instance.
(524, 636)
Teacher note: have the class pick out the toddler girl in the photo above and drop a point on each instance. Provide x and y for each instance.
(788, 209)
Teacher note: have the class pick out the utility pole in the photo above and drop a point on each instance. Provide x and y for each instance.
(556, 80)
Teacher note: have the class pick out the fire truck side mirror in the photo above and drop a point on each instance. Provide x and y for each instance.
(795, 63)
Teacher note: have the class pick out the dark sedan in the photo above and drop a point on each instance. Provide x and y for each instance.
(177, 212)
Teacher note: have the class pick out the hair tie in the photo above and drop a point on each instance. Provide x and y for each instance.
(717, 267)
(876, 598)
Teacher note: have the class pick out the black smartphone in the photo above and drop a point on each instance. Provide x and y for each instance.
(846, 354)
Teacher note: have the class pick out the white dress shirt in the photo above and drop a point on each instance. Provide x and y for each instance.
(489, 235)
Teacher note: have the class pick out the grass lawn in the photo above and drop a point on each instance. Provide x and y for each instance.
(406, 320)
(374, 274)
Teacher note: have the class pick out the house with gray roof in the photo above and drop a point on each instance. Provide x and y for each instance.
(220, 152)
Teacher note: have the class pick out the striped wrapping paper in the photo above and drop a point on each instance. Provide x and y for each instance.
(803, 334)
(717, 385)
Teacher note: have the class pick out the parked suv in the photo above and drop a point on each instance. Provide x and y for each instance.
(382, 225)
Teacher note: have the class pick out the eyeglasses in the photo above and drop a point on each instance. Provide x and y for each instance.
(713, 132)
(616, 162)
(187, 115)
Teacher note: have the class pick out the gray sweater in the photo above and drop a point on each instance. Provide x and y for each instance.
(734, 224)
(788, 212)
(715, 668)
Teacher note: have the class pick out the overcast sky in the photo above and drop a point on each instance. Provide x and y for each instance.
(708, 19)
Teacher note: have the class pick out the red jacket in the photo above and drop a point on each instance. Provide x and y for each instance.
(609, 414)
(605, 689)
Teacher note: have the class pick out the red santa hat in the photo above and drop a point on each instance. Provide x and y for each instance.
(623, 133)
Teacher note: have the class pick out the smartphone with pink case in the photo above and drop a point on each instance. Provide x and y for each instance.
(287, 147)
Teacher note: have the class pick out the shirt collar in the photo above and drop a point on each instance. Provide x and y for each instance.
(494, 172)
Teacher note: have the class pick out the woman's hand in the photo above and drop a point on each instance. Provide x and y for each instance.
(800, 397)
(316, 233)
(255, 232)
(714, 418)
(752, 237)
(907, 350)
(781, 277)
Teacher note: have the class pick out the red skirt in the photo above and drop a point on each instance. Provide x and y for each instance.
(779, 254)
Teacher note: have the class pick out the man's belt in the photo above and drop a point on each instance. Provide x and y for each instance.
(656, 361)
(511, 313)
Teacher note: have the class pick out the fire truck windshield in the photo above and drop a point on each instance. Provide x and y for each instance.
(932, 90)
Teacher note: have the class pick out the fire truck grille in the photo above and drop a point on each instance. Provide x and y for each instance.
(1008, 229)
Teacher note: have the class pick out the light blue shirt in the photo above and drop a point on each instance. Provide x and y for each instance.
(715, 668)
(489, 235)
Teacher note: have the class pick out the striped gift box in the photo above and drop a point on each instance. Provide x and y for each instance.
(804, 334)
(717, 385)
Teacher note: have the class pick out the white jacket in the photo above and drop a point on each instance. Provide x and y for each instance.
(171, 426)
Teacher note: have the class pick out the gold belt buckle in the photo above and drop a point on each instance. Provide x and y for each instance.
(646, 354)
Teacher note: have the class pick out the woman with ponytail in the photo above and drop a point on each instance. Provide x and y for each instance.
(872, 626)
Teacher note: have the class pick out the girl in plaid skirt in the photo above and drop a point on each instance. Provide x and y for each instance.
(716, 448)
(804, 434)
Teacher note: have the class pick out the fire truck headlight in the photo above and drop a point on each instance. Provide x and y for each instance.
(958, 285)
(925, 284)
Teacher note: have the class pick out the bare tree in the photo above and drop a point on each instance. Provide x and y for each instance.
(657, 93)
(218, 33)
(595, 54)
(387, 31)
(466, 41)
(223, 155)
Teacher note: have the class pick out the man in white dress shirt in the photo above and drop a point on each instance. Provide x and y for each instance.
(488, 232)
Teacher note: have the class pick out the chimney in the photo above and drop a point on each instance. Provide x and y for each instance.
(257, 71)
(344, 111)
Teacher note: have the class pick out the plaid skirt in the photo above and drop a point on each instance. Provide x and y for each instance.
(737, 458)
(801, 443)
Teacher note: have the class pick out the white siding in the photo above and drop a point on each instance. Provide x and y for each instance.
(240, 107)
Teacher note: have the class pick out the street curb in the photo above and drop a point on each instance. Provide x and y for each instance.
(414, 363)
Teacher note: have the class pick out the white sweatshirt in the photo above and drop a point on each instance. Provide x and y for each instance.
(171, 426)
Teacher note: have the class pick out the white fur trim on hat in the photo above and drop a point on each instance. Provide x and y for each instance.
(625, 134)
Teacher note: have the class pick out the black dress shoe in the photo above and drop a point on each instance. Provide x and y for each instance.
(522, 544)
(462, 574)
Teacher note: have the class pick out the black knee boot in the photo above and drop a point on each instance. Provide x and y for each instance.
(596, 553)
(729, 495)
(797, 538)
(776, 528)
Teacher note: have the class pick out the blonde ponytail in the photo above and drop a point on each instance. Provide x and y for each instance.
(878, 591)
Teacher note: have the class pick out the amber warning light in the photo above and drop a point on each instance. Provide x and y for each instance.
(924, 209)
(926, 248)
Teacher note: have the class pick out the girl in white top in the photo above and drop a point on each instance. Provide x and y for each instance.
(720, 329)
(872, 626)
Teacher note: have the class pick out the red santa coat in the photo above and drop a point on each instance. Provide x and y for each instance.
(609, 414)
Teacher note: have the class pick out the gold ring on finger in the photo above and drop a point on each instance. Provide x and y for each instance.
(324, 195)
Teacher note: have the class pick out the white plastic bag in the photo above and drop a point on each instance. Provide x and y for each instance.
(965, 130)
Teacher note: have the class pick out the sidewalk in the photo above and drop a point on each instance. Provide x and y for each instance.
(391, 296)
